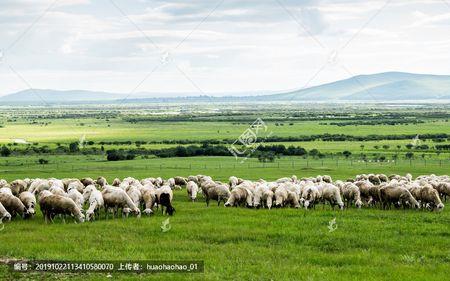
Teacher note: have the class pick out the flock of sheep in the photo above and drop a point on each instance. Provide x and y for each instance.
(83, 199)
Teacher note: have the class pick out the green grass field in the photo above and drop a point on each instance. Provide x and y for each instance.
(244, 244)
(236, 243)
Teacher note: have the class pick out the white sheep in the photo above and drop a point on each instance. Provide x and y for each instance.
(263, 196)
(4, 214)
(331, 193)
(115, 198)
(95, 199)
(192, 190)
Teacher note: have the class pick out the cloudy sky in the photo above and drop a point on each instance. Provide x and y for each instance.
(215, 46)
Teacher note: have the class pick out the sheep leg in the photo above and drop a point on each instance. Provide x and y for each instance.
(218, 201)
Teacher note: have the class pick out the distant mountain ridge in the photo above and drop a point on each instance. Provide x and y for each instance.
(386, 86)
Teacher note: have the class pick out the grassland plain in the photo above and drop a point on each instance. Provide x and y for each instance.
(68, 130)
(239, 243)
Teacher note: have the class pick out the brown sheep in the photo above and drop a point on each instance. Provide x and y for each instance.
(116, 182)
(101, 181)
(13, 205)
(219, 192)
(240, 195)
(52, 205)
(87, 181)
(180, 181)
(29, 200)
(428, 196)
(394, 194)
(18, 186)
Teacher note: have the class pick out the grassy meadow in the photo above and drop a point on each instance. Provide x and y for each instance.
(234, 243)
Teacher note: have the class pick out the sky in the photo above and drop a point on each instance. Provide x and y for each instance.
(213, 47)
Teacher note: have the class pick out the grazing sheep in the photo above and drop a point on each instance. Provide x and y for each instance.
(240, 194)
(397, 195)
(364, 190)
(374, 194)
(158, 182)
(428, 196)
(135, 194)
(192, 190)
(149, 197)
(116, 182)
(310, 196)
(350, 193)
(18, 186)
(52, 205)
(284, 197)
(87, 181)
(331, 194)
(180, 181)
(76, 185)
(444, 189)
(4, 214)
(263, 196)
(233, 181)
(13, 205)
(164, 196)
(76, 196)
(39, 185)
(95, 199)
(219, 192)
(29, 201)
(327, 179)
(115, 198)
(101, 181)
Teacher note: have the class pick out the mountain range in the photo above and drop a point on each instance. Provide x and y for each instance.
(387, 86)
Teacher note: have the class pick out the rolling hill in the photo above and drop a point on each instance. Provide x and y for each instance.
(387, 86)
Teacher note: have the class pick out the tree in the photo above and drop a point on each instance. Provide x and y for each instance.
(313, 152)
(74, 147)
(362, 146)
(386, 147)
(376, 146)
(409, 146)
(5, 151)
(346, 154)
(409, 155)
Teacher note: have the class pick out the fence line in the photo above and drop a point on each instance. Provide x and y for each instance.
(154, 164)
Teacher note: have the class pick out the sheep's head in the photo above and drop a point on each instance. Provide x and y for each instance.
(170, 210)
(440, 207)
(137, 212)
(89, 215)
(148, 211)
(7, 216)
(358, 203)
(306, 204)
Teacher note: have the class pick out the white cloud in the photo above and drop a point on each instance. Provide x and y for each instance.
(242, 46)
